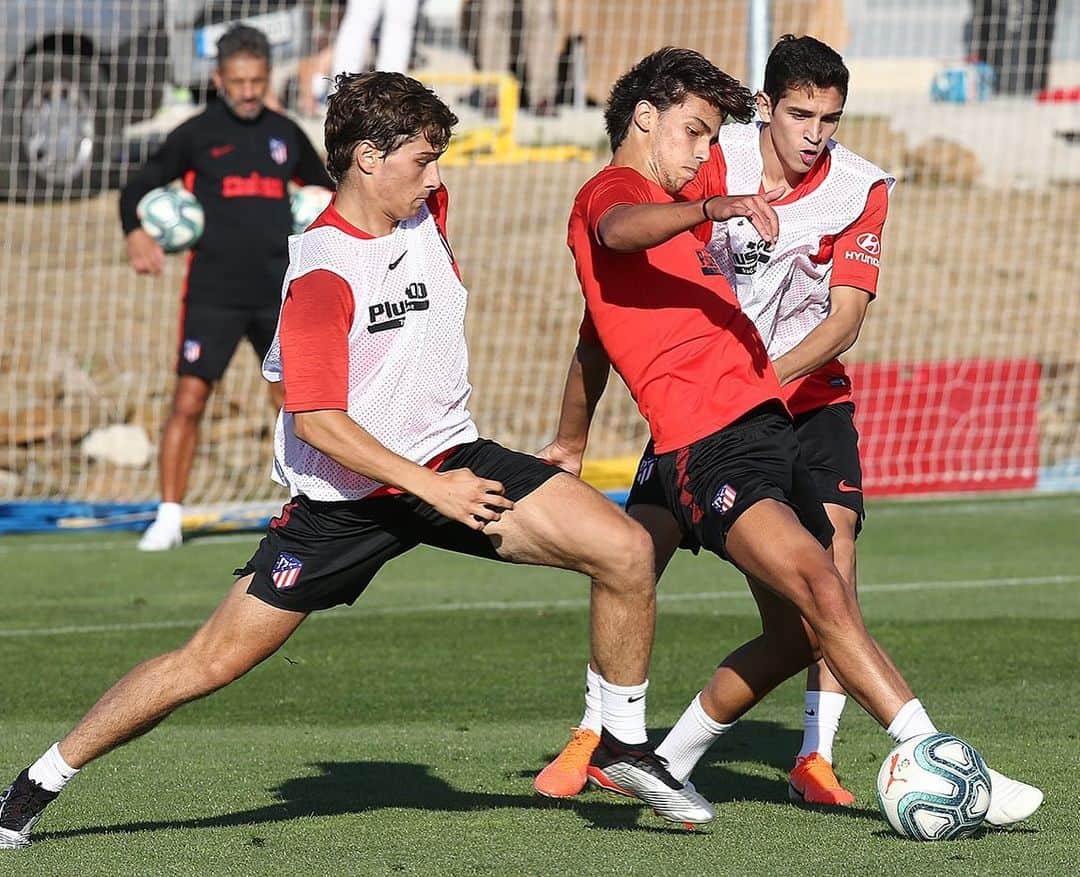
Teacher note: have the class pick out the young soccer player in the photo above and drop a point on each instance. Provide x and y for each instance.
(725, 471)
(380, 453)
(808, 296)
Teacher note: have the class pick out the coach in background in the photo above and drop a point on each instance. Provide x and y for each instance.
(237, 158)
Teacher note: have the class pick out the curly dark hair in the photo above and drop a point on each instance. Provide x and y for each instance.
(240, 39)
(387, 109)
(802, 63)
(665, 79)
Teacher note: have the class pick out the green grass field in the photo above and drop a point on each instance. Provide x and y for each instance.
(401, 735)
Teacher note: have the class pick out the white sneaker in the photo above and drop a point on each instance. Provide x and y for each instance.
(639, 772)
(161, 536)
(1010, 800)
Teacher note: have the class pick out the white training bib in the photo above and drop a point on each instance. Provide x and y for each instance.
(783, 290)
(408, 361)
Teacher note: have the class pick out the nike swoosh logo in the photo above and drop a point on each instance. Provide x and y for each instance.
(218, 151)
(635, 699)
(397, 261)
(844, 487)
(810, 712)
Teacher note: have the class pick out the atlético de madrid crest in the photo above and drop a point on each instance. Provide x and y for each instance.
(279, 152)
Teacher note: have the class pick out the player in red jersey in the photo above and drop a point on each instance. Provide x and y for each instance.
(808, 296)
(725, 473)
(380, 453)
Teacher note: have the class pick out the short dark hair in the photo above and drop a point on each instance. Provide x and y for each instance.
(241, 39)
(803, 63)
(387, 109)
(665, 79)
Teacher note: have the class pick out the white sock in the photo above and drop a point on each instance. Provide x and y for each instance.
(623, 709)
(690, 739)
(594, 709)
(910, 721)
(50, 771)
(821, 719)
(170, 513)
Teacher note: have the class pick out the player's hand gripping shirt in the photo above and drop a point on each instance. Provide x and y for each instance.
(830, 235)
(667, 319)
(374, 327)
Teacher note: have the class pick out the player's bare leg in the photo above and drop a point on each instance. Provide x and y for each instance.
(567, 524)
(568, 772)
(813, 779)
(785, 646)
(242, 632)
(179, 439)
(804, 606)
(769, 544)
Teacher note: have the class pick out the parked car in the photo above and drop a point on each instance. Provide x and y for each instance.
(76, 73)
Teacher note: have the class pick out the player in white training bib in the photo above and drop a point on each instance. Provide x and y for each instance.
(808, 295)
(380, 454)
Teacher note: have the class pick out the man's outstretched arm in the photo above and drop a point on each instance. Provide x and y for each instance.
(833, 336)
(586, 380)
(631, 228)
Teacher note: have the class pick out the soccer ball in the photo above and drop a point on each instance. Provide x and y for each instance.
(934, 787)
(307, 203)
(171, 216)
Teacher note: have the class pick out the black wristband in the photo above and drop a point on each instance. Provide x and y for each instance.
(704, 206)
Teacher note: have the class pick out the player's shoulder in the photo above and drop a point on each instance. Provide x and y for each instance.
(732, 133)
(202, 121)
(282, 122)
(849, 162)
(438, 201)
(614, 178)
(319, 280)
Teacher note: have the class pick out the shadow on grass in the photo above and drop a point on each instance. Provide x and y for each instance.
(766, 743)
(343, 788)
(356, 787)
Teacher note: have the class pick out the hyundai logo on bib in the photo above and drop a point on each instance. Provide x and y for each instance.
(869, 242)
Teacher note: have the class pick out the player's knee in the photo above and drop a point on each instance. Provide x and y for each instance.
(204, 673)
(626, 562)
(188, 408)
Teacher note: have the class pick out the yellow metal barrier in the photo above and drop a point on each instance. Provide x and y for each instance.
(498, 144)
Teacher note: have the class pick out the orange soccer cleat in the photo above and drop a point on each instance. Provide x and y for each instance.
(566, 775)
(812, 781)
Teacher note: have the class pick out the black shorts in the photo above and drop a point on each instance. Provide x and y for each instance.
(209, 335)
(709, 484)
(829, 444)
(319, 554)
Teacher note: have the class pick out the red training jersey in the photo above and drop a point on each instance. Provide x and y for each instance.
(668, 320)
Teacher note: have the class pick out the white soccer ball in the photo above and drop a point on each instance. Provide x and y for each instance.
(934, 787)
(171, 216)
(307, 203)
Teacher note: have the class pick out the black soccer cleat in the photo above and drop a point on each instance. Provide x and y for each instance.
(638, 770)
(21, 807)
